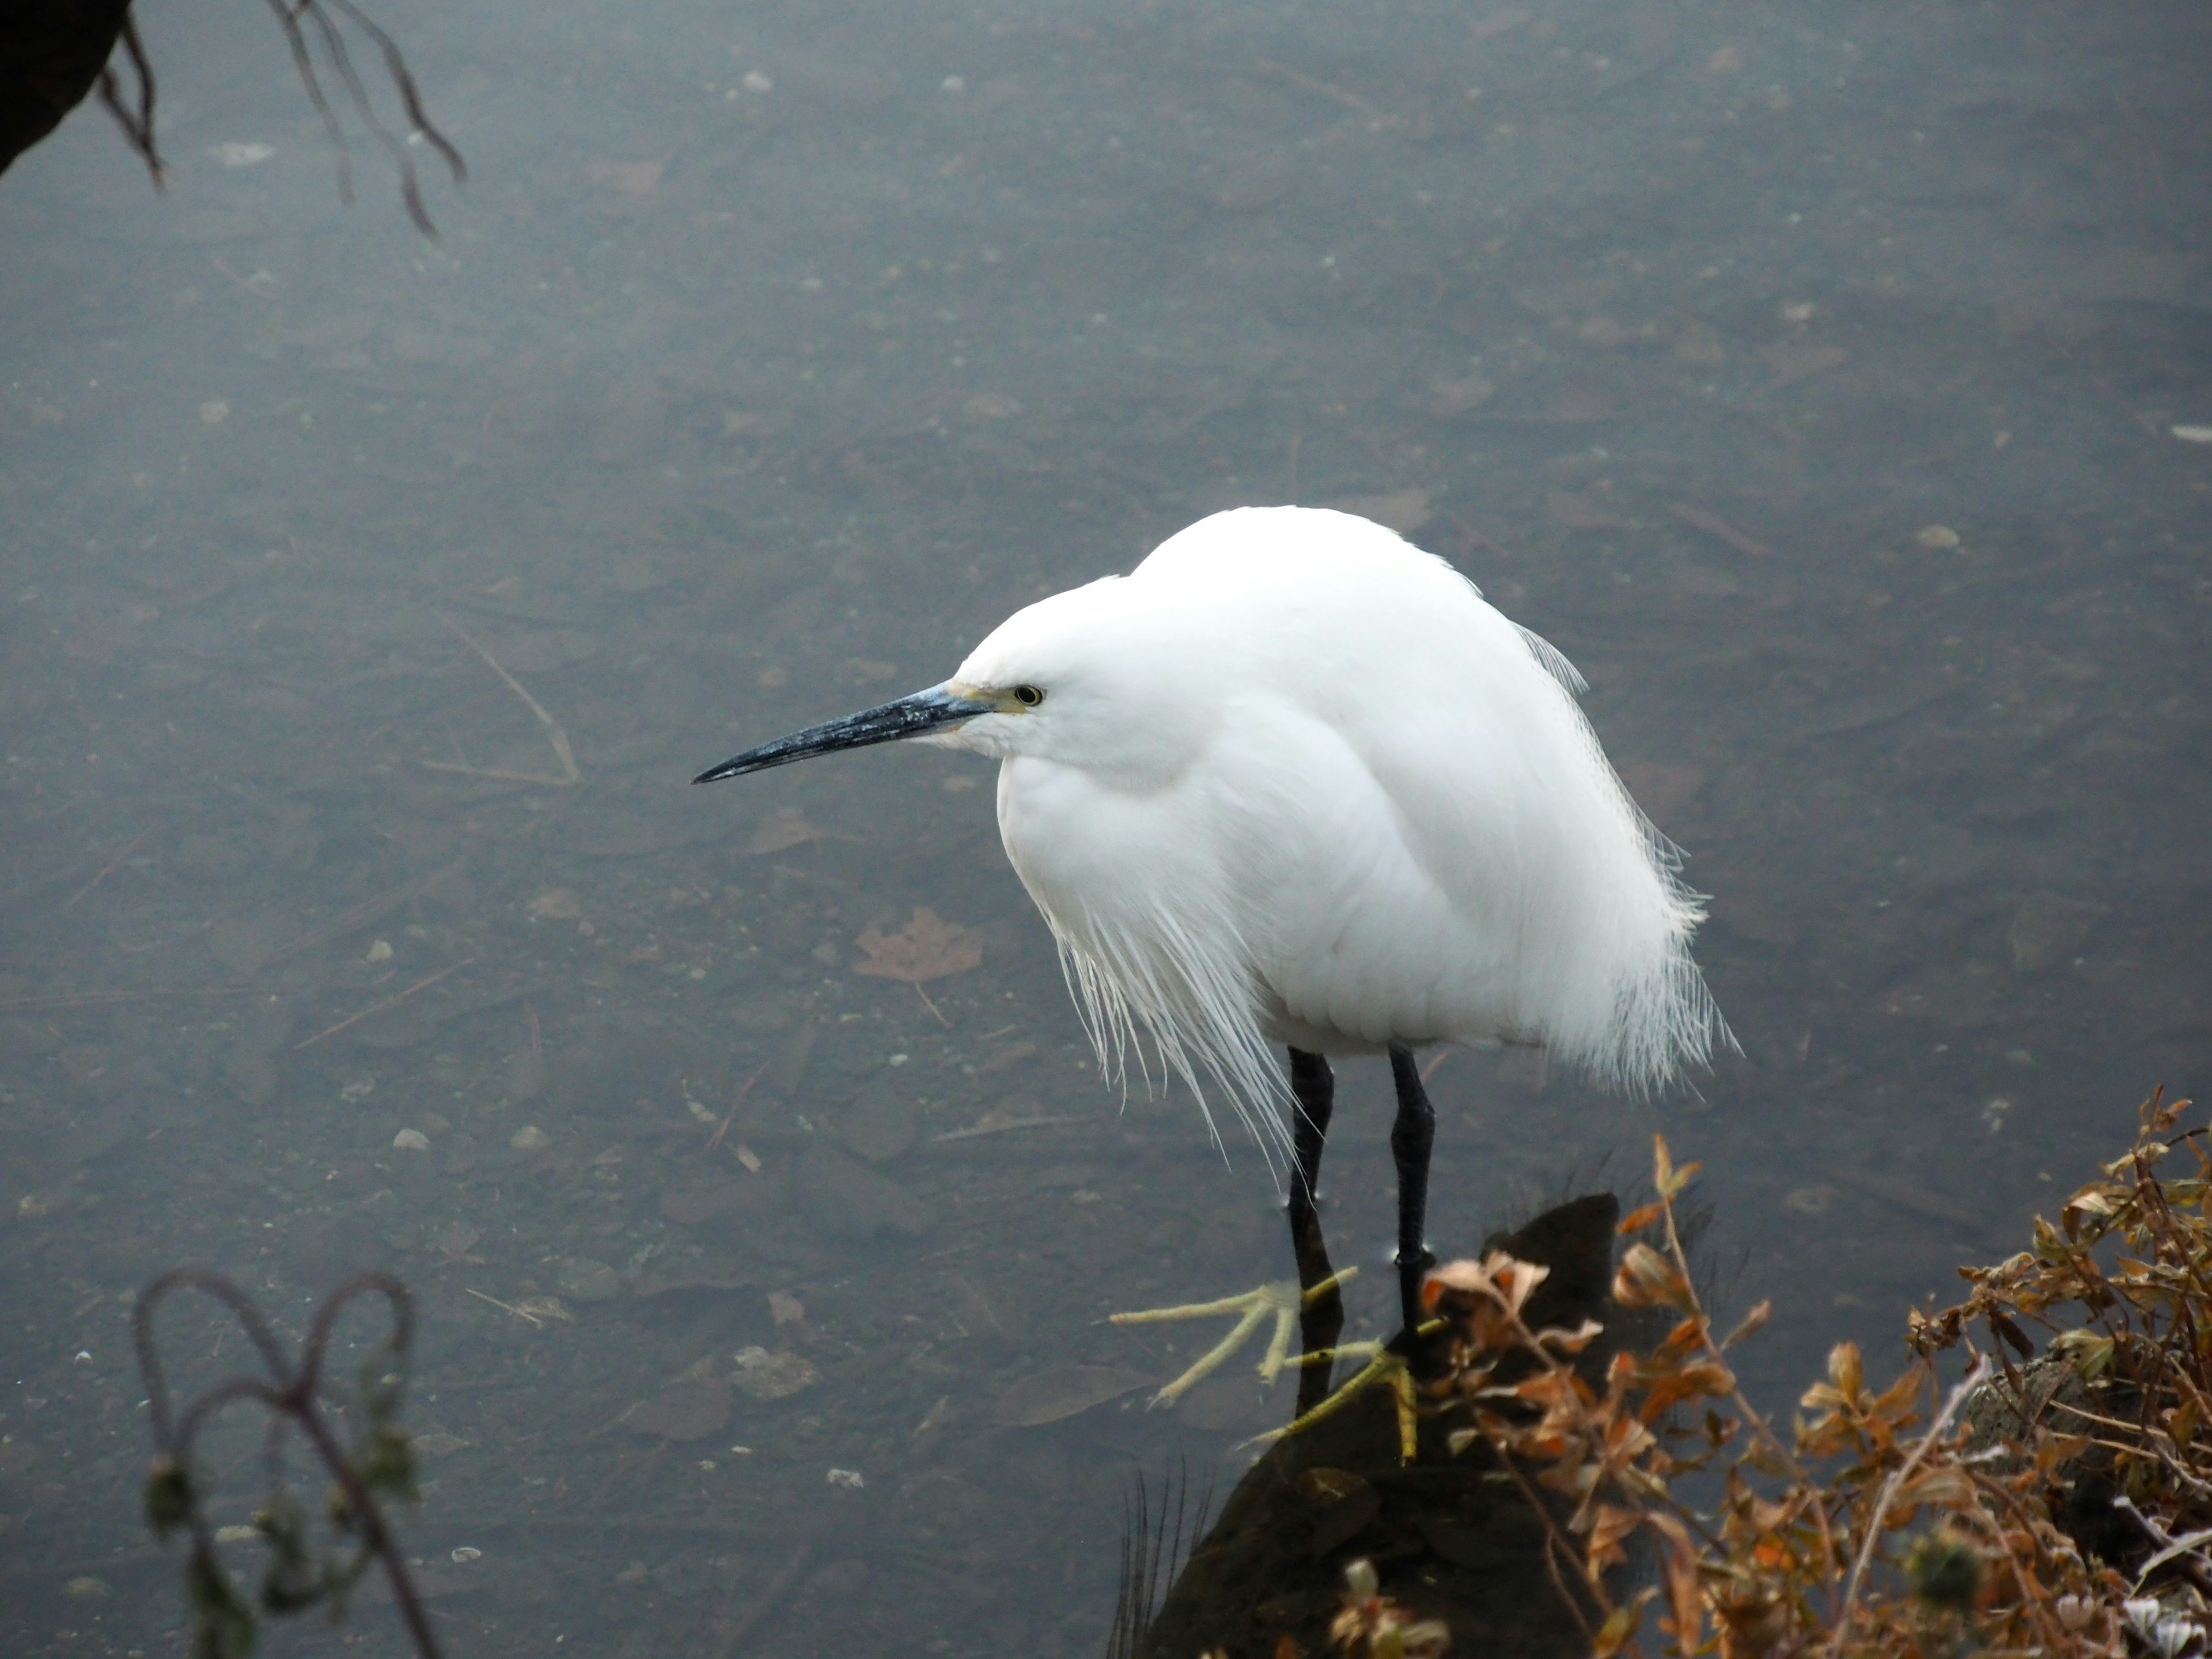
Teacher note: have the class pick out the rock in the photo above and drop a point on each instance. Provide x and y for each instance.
(587, 1280)
(689, 1410)
(703, 1202)
(767, 1374)
(526, 1075)
(243, 945)
(529, 1138)
(882, 1122)
(847, 1201)
(410, 1140)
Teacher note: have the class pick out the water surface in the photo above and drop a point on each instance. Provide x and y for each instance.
(1812, 381)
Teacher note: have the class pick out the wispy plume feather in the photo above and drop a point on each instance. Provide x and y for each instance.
(1194, 1008)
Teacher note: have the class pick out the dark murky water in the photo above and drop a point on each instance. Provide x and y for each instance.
(1834, 392)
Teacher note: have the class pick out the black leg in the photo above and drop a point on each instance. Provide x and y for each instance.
(1321, 1322)
(1314, 1086)
(1412, 1135)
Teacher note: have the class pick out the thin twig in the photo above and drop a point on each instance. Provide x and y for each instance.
(137, 124)
(1556, 1544)
(505, 1308)
(771, 1595)
(1972, 1380)
(715, 1139)
(368, 910)
(927, 1004)
(379, 1007)
(108, 868)
(1335, 95)
(111, 999)
(570, 774)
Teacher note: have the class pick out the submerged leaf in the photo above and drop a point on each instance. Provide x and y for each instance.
(928, 947)
(1049, 1396)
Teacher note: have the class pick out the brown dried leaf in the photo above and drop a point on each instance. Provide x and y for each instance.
(1637, 1219)
(1608, 1526)
(1647, 1279)
(928, 947)
(1687, 1623)
(1751, 1321)
(1619, 1626)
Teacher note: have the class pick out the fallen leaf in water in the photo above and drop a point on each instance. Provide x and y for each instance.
(928, 947)
(689, 1410)
(1022, 1115)
(1050, 1396)
(631, 178)
(455, 1239)
(785, 829)
(555, 904)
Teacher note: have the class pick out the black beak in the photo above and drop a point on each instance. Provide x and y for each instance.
(908, 717)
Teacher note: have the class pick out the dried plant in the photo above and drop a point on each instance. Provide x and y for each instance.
(366, 1454)
(1373, 1627)
(315, 34)
(2058, 1505)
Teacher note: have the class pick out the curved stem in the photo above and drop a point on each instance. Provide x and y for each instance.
(1903, 1472)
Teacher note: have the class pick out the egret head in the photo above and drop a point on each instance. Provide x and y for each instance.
(1075, 678)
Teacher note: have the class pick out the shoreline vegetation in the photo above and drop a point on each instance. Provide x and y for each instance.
(2056, 1499)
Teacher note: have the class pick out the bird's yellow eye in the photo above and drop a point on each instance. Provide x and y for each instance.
(1028, 695)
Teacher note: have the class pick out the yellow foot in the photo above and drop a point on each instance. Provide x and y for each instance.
(1385, 1369)
(1284, 1300)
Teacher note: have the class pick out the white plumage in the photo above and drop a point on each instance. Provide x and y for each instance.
(1294, 781)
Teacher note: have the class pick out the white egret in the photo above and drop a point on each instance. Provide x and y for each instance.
(1293, 781)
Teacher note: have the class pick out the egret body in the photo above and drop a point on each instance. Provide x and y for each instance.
(1293, 781)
